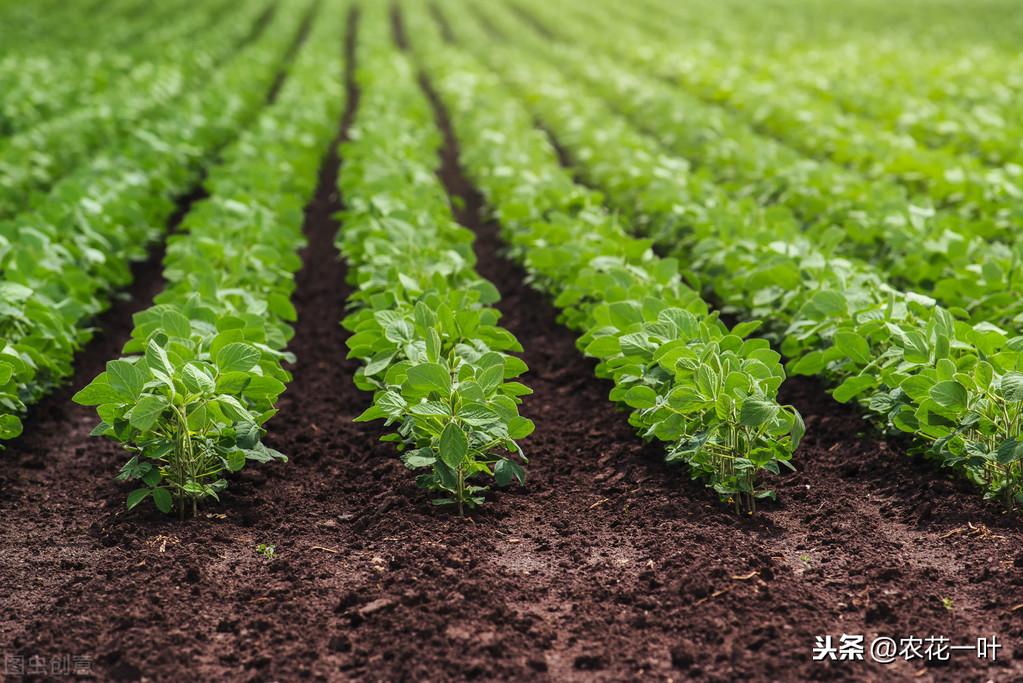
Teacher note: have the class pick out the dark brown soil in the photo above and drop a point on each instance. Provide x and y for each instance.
(608, 565)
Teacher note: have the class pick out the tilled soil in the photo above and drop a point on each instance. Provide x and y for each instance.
(607, 565)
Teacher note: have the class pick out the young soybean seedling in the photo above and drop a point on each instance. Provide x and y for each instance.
(190, 408)
(268, 551)
(452, 397)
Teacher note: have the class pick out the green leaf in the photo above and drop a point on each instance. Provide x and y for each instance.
(430, 409)
(520, 427)
(175, 324)
(280, 306)
(1012, 386)
(156, 358)
(264, 387)
(624, 314)
(810, 364)
(98, 392)
(147, 411)
(237, 357)
(196, 380)
(514, 366)
(916, 348)
(429, 377)
(737, 384)
(10, 427)
(379, 363)
(233, 382)
(12, 292)
(163, 500)
(757, 412)
(454, 445)
(829, 304)
(798, 429)
(126, 378)
(604, 347)
(247, 435)
(641, 397)
(233, 409)
(853, 387)
(949, 394)
(744, 329)
(235, 460)
(392, 404)
(419, 458)
(685, 399)
(1009, 451)
(137, 496)
(152, 476)
(853, 346)
(477, 415)
(906, 420)
(491, 378)
(507, 470)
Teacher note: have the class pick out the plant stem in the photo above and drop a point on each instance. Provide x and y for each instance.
(461, 491)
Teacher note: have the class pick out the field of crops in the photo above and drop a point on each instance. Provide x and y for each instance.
(511, 340)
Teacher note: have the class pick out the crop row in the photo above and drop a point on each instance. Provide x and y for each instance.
(956, 387)
(36, 87)
(60, 263)
(633, 206)
(978, 278)
(75, 28)
(817, 127)
(203, 369)
(422, 320)
(965, 96)
(32, 160)
(911, 24)
(688, 379)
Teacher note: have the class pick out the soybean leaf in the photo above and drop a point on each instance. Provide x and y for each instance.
(454, 445)
(237, 357)
(949, 394)
(137, 496)
(429, 377)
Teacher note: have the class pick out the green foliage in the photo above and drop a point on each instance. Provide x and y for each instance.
(687, 379)
(434, 355)
(916, 240)
(912, 364)
(61, 262)
(204, 365)
(33, 159)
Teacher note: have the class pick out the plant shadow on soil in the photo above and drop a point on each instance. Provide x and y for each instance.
(607, 565)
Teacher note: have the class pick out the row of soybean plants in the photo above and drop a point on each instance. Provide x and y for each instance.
(35, 29)
(706, 390)
(958, 183)
(203, 369)
(957, 387)
(60, 263)
(56, 78)
(161, 74)
(965, 95)
(957, 262)
(423, 324)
